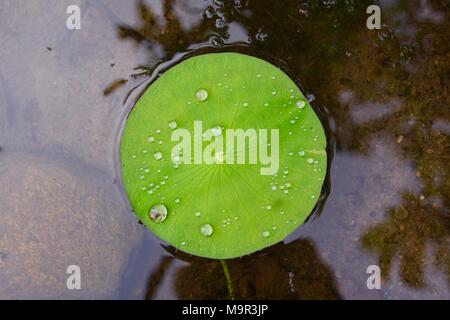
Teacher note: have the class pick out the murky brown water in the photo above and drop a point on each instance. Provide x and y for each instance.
(384, 95)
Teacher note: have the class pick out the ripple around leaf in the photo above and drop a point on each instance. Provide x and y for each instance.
(242, 206)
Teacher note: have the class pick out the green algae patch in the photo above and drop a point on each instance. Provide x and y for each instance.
(223, 156)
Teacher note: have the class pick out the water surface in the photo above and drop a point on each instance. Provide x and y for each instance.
(382, 94)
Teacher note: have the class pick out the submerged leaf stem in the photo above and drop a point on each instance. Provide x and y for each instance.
(228, 278)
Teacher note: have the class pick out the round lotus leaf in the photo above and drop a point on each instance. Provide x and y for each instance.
(223, 156)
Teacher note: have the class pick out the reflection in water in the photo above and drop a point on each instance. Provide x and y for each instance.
(377, 87)
(283, 271)
(410, 228)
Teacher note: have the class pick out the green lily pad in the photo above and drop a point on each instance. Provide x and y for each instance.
(213, 207)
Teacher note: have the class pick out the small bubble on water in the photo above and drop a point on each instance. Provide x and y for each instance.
(266, 234)
(197, 214)
(206, 230)
(172, 125)
(310, 160)
(301, 153)
(177, 200)
(269, 207)
(310, 98)
(201, 95)
(158, 213)
(274, 188)
(245, 104)
(158, 131)
(151, 139)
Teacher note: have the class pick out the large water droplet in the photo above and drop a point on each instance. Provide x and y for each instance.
(201, 95)
(206, 230)
(158, 213)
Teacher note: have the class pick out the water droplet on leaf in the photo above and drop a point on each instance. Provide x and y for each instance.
(201, 95)
(206, 230)
(158, 155)
(172, 125)
(300, 104)
(158, 213)
(266, 234)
